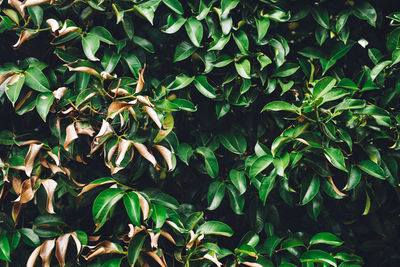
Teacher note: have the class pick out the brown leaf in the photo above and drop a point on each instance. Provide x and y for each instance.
(335, 188)
(5, 76)
(16, 209)
(153, 115)
(145, 153)
(168, 236)
(91, 186)
(144, 206)
(28, 3)
(54, 157)
(158, 259)
(50, 186)
(30, 157)
(45, 252)
(54, 25)
(77, 242)
(166, 154)
(16, 183)
(67, 29)
(25, 35)
(104, 247)
(27, 192)
(55, 169)
(82, 128)
(116, 108)
(213, 258)
(120, 91)
(23, 100)
(123, 147)
(61, 248)
(83, 69)
(32, 258)
(60, 92)
(105, 130)
(140, 84)
(251, 264)
(106, 75)
(145, 100)
(18, 6)
(71, 135)
(154, 240)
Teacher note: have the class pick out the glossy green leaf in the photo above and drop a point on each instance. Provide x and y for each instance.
(262, 28)
(371, 168)
(144, 43)
(318, 256)
(204, 87)
(310, 190)
(43, 104)
(238, 179)
(227, 6)
(241, 41)
(132, 206)
(29, 237)
(320, 14)
(36, 13)
(291, 243)
(135, 245)
(35, 79)
(266, 186)
(90, 44)
(215, 195)
(279, 106)
(259, 165)
(243, 68)
(102, 34)
(4, 249)
(336, 158)
(183, 51)
(103, 203)
(174, 5)
(215, 228)
(159, 215)
(365, 11)
(235, 143)
(194, 30)
(210, 160)
(13, 90)
(325, 238)
(236, 200)
(323, 86)
(181, 81)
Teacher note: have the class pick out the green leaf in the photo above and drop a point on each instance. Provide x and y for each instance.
(246, 249)
(243, 68)
(262, 28)
(35, 79)
(215, 228)
(238, 179)
(341, 21)
(264, 61)
(174, 23)
(133, 63)
(219, 43)
(227, 6)
(147, 9)
(340, 50)
(201, 83)
(379, 68)
(241, 41)
(365, 11)
(175, 5)
(49, 219)
(168, 125)
(323, 86)
(286, 70)
(372, 169)
(235, 143)
(194, 30)
(259, 165)
(184, 152)
(143, 43)
(159, 215)
(36, 13)
(132, 206)
(326, 238)
(184, 104)
(181, 81)
(210, 161)
(13, 90)
(336, 158)
(103, 203)
(270, 244)
(279, 106)
(135, 245)
(354, 178)
(43, 104)
(6, 138)
(267, 185)
(90, 44)
(183, 51)
(318, 256)
(102, 34)
(29, 237)
(236, 200)
(310, 190)
(215, 195)
(4, 249)
(321, 16)
(292, 243)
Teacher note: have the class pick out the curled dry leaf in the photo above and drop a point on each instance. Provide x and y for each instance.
(18, 6)
(166, 154)
(212, 258)
(45, 252)
(140, 84)
(54, 157)
(123, 147)
(71, 135)
(62, 245)
(27, 192)
(154, 240)
(337, 191)
(91, 186)
(144, 206)
(104, 247)
(50, 186)
(67, 29)
(5, 76)
(145, 153)
(60, 92)
(116, 108)
(83, 69)
(158, 259)
(168, 236)
(55, 169)
(28, 3)
(32, 258)
(54, 25)
(30, 157)
(25, 35)
(105, 130)
(120, 91)
(251, 264)
(16, 184)
(16, 209)
(145, 100)
(106, 75)
(153, 115)
(23, 100)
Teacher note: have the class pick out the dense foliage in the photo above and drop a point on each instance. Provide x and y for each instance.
(199, 133)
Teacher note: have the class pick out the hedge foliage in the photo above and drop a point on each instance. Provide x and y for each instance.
(199, 133)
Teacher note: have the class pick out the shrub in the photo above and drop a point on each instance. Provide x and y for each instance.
(199, 132)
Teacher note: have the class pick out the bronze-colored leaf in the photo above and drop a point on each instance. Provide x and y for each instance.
(116, 108)
(337, 191)
(50, 186)
(18, 6)
(30, 157)
(212, 258)
(32, 258)
(145, 153)
(16, 209)
(91, 186)
(120, 91)
(67, 29)
(28, 3)
(145, 100)
(153, 115)
(104, 247)
(61, 248)
(251, 264)
(23, 100)
(106, 75)
(168, 236)
(16, 183)
(144, 206)
(5, 76)
(45, 252)
(54, 25)
(154, 240)
(105, 130)
(166, 154)
(140, 84)
(60, 92)
(25, 35)
(55, 157)
(71, 135)
(27, 192)
(123, 147)
(55, 169)
(77, 242)
(83, 69)
(158, 259)
(83, 128)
